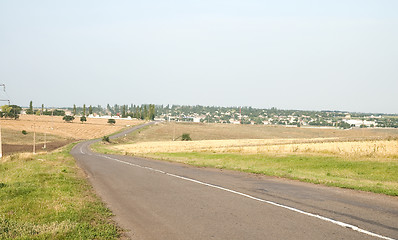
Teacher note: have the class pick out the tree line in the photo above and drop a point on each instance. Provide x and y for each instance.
(144, 111)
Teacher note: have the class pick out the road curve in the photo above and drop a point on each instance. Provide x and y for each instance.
(161, 200)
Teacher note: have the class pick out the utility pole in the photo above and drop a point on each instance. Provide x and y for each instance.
(1, 144)
(34, 137)
(174, 132)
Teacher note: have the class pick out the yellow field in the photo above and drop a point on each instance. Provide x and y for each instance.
(93, 128)
(198, 131)
(378, 148)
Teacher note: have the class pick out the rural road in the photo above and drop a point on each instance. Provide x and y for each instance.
(161, 200)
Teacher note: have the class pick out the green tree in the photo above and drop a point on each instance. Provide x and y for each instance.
(30, 110)
(90, 110)
(68, 118)
(10, 111)
(42, 108)
(124, 111)
(83, 119)
(74, 109)
(106, 139)
(151, 114)
(84, 109)
(145, 113)
(186, 137)
(111, 121)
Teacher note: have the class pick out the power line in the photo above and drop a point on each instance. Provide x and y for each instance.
(8, 100)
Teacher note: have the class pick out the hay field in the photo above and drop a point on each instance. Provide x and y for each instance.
(197, 131)
(93, 128)
(254, 139)
(378, 148)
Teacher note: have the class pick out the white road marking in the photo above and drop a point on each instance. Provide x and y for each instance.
(341, 224)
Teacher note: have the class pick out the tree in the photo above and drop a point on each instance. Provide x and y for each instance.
(105, 139)
(83, 119)
(30, 110)
(42, 108)
(186, 137)
(84, 109)
(111, 121)
(90, 110)
(108, 107)
(68, 118)
(74, 110)
(10, 111)
(124, 111)
(151, 114)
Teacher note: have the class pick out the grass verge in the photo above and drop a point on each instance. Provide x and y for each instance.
(366, 175)
(46, 196)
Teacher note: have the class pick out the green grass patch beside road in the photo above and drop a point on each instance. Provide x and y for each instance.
(366, 175)
(46, 196)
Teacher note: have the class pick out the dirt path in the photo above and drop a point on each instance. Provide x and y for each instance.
(17, 148)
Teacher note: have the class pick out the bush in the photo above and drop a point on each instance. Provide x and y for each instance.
(111, 121)
(24, 132)
(106, 139)
(186, 137)
(68, 118)
(83, 119)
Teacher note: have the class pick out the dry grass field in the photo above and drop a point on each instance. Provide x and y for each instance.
(93, 128)
(166, 132)
(223, 138)
(376, 148)
(54, 131)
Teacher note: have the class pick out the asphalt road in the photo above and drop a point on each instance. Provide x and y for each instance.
(161, 200)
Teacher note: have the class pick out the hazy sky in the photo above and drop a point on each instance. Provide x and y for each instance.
(313, 55)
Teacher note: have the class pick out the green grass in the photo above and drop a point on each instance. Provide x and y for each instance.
(46, 196)
(372, 175)
(11, 136)
(365, 175)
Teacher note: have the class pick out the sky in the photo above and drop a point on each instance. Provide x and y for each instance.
(305, 55)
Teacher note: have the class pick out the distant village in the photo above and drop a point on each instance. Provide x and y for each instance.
(273, 116)
(231, 115)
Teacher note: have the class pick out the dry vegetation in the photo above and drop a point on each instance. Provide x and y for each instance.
(53, 131)
(93, 128)
(222, 138)
(166, 132)
(379, 148)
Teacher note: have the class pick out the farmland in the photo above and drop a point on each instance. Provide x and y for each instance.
(54, 131)
(46, 195)
(363, 159)
(168, 131)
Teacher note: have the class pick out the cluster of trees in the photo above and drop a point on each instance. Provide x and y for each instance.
(43, 111)
(10, 111)
(391, 122)
(144, 111)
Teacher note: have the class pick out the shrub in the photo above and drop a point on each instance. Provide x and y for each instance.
(68, 118)
(83, 119)
(105, 139)
(24, 132)
(111, 121)
(186, 137)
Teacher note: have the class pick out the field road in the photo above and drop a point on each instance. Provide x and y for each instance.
(161, 200)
